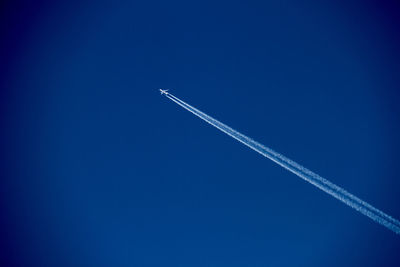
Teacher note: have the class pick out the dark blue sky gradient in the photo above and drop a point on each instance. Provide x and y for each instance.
(99, 170)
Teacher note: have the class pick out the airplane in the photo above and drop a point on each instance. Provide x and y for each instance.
(164, 92)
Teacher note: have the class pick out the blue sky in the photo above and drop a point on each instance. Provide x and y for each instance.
(100, 170)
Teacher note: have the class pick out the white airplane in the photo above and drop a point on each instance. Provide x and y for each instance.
(164, 92)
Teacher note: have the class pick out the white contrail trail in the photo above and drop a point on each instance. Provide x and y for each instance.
(311, 177)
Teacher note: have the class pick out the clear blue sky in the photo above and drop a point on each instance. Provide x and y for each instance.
(99, 170)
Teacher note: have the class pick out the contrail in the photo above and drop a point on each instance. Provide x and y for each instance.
(311, 177)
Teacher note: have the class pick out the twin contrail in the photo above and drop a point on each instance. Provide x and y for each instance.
(311, 177)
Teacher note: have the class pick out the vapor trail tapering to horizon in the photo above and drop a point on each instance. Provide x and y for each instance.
(309, 176)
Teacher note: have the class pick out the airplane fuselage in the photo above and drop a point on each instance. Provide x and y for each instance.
(164, 92)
